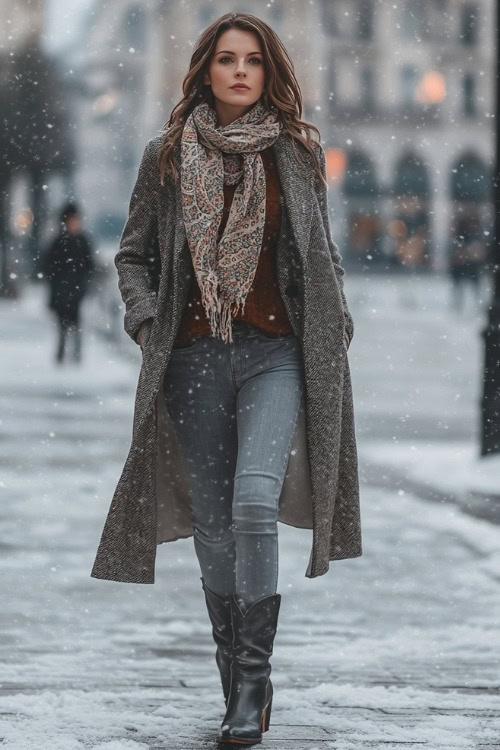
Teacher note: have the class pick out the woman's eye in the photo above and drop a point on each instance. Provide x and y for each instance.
(257, 59)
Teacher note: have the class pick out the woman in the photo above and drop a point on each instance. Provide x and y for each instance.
(233, 289)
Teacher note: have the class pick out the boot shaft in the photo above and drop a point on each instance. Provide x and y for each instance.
(250, 698)
(254, 632)
(219, 611)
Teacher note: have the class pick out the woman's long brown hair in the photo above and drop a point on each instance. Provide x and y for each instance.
(281, 88)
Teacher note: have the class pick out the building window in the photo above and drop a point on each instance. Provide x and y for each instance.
(365, 21)
(276, 13)
(408, 85)
(206, 14)
(364, 229)
(135, 29)
(410, 228)
(360, 178)
(331, 83)
(470, 180)
(330, 18)
(469, 94)
(414, 19)
(469, 28)
(438, 20)
(367, 89)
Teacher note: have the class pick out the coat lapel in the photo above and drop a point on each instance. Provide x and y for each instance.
(183, 264)
(298, 204)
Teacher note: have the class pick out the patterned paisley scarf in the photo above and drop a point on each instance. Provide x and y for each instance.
(211, 158)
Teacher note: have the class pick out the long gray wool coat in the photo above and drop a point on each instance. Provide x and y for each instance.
(151, 503)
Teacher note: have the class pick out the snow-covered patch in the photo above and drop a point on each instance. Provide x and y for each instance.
(454, 467)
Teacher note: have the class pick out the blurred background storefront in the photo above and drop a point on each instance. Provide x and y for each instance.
(402, 94)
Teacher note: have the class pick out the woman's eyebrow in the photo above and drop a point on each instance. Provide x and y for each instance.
(232, 53)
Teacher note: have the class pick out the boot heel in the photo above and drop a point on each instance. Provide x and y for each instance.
(266, 716)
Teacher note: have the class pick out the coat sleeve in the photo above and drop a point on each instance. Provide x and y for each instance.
(322, 195)
(136, 257)
(88, 260)
(49, 259)
(87, 263)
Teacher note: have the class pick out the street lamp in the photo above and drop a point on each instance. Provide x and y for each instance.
(490, 412)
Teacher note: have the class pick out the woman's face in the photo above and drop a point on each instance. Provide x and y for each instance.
(237, 59)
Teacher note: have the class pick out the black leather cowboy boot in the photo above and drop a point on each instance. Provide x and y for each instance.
(219, 611)
(251, 692)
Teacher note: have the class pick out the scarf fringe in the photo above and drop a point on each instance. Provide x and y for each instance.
(219, 311)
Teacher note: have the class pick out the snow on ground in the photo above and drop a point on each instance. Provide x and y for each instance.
(397, 647)
(454, 467)
(417, 368)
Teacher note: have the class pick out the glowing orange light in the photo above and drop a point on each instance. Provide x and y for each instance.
(431, 88)
(23, 220)
(336, 162)
(106, 102)
(397, 229)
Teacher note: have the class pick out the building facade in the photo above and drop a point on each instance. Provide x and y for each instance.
(408, 89)
(403, 94)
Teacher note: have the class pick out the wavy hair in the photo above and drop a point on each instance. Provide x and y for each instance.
(281, 88)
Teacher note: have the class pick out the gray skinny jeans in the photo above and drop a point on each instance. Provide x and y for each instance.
(234, 408)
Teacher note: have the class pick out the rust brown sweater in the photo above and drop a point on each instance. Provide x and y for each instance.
(264, 307)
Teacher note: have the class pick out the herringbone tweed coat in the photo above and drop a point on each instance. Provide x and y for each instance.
(151, 503)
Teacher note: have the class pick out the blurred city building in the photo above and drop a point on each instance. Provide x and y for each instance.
(22, 19)
(22, 24)
(410, 103)
(402, 93)
(37, 144)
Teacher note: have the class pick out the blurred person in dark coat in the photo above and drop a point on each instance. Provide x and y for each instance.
(68, 267)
